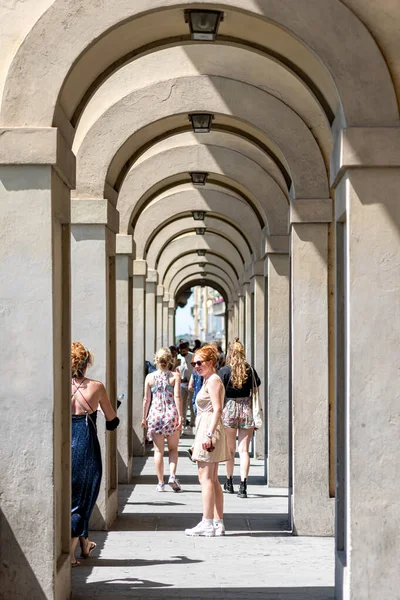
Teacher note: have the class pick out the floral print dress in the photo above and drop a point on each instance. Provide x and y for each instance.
(163, 417)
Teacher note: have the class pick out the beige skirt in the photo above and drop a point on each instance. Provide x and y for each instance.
(221, 452)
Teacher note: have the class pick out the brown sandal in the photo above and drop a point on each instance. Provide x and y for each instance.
(75, 564)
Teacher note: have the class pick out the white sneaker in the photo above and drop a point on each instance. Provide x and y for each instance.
(160, 487)
(219, 528)
(174, 483)
(204, 528)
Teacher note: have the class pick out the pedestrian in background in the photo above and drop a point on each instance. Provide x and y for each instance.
(239, 380)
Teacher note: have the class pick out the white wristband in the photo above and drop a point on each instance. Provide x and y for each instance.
(209, 434)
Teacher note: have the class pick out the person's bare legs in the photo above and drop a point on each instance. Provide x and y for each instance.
(207, 481)
(184, 396)
(173, 442)
(158, 440)
(244, 439)
(231, 437)
(74, 542)
(218, 495)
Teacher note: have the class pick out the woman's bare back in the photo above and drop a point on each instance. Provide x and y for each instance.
(87, 395)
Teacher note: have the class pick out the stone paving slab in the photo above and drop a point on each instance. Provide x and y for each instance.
(147, 556)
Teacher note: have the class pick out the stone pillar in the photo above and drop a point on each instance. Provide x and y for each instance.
(277, 270)
(313, 509)
(230, 309)
(124, 289)
(139, 336)
(37, 171)
(236, 318)
(159, 317)
(258, 359)
(242, 317)
(165, 319)
(171, 322)
(367, 207)
(151, 289)
(248, 342)
(94, 223)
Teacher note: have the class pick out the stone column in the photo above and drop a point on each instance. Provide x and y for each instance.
(171, 322)
(258, 359)
(124, 289)
(248, 342)
(37, 172)
(159, 317)
(313, 509)
(236, 318)
(151, 289)
(277, 270)
(230, 319)
(242, 317)
(165, 319)
(94, 223)
(139, 336)
(367, 207)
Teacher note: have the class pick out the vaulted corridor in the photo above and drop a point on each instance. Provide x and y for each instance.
(146, 554)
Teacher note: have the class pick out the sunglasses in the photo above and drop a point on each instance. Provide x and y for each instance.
(197, 363)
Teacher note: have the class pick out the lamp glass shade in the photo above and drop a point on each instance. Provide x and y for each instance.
(201, 252)
(198, 215)
(203, 24)
(200, 230)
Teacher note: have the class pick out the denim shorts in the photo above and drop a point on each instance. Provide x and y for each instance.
(238, 413)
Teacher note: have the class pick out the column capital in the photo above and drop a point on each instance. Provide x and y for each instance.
(257, 268)
(160, 290)
(275, 244)
(140, 268)
(166, 297)
(310, 210)
(38, 146)
(94, 211)
(124, 244)
(364, 147)
(152, 276)
(171, 304)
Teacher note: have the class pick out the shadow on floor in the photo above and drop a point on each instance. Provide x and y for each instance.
(239, 523)
(143, 589)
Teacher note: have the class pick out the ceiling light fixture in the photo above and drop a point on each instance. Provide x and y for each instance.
(201, 122)
(201, 252)
(203, 24)
(200, 230)
(199, 178)
(198, 215)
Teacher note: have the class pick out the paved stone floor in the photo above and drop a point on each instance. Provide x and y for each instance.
(146, 554)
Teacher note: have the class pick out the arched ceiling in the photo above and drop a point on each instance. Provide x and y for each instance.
(120, 81)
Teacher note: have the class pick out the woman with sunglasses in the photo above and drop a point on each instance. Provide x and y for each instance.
(210, 444)
(162, 406)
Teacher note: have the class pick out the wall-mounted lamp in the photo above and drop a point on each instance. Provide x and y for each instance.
(201, 122)
(203, 24)
(201, 252)
(198, 215)
(200, 230)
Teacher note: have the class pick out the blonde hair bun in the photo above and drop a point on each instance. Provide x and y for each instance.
(163, 355)
(81, 358)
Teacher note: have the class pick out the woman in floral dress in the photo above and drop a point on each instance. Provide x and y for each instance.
(162, 415)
